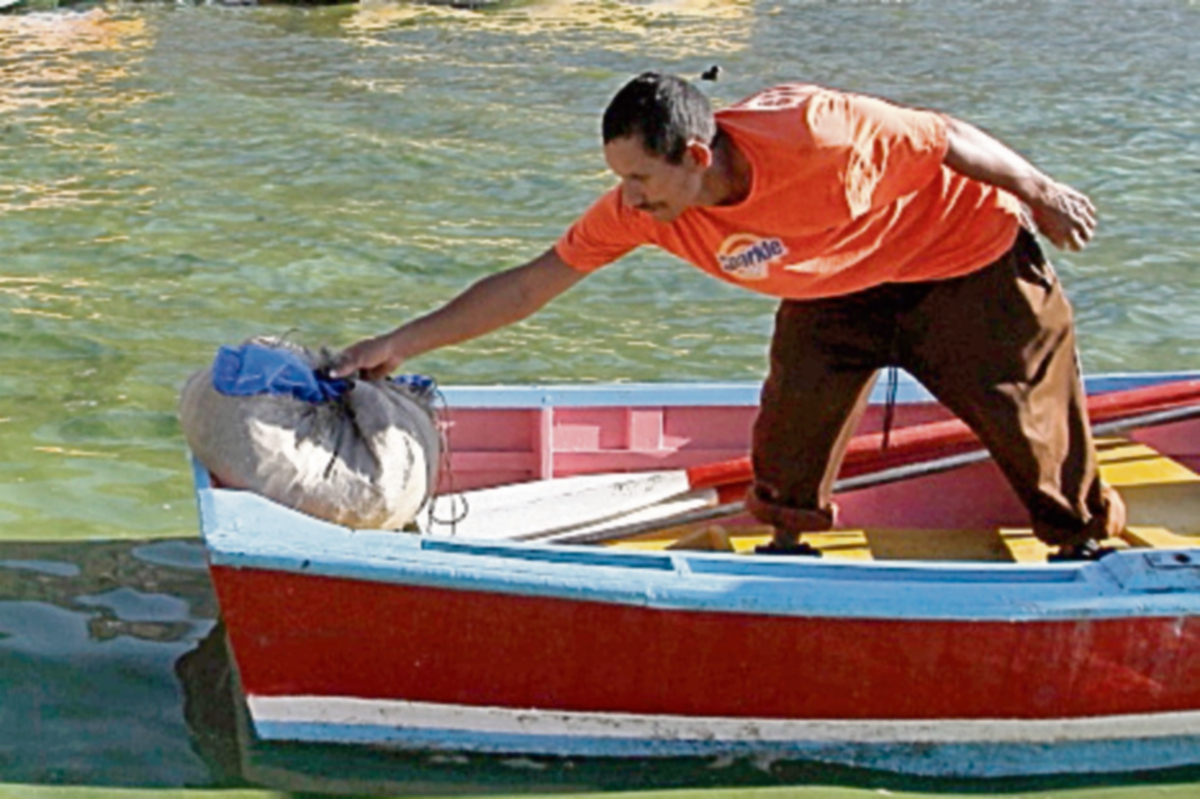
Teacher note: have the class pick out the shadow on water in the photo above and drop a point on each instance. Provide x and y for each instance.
(115, 672)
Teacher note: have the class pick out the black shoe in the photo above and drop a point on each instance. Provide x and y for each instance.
(1088, 550)
(776, 547)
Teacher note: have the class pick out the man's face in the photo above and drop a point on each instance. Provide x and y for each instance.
(652, 184)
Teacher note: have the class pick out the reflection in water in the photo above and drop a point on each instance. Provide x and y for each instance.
(88, 635)
(44, 64)
(210, 706)
(151, 591)
(678, 28)
(48, 296)
(61, 73)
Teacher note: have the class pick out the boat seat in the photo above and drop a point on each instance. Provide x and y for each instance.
(1158, 491)
(1161, 494)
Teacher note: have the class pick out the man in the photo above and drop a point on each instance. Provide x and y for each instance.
(893, 237)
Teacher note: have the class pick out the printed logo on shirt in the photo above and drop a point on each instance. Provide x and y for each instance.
(778, 98)
(749, 257)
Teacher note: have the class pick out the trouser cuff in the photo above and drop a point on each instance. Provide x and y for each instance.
(1107, 521)
(793, 521)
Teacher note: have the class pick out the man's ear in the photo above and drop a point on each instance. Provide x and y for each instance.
(700, 153)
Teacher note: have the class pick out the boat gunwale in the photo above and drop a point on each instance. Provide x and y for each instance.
(720, 394)
(1111, 588)
(686, 581)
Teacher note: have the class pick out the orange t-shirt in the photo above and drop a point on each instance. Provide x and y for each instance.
(847, 192)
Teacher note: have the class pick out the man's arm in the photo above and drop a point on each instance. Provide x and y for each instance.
(488, 304)
(1063, 215)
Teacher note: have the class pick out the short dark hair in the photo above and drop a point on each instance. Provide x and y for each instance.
(664, 110)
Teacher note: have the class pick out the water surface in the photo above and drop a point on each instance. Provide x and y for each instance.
(177, 177)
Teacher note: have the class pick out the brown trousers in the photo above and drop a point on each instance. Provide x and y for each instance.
(996, 347)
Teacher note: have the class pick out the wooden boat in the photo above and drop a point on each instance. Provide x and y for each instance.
(932, 638)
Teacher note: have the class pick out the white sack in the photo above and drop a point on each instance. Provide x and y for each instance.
(367, 460)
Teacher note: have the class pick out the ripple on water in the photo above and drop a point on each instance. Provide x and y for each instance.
(178, 177)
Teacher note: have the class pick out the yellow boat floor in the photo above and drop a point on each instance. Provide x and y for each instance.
(1162, 497)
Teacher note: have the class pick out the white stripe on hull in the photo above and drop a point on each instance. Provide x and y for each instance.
(353, 712)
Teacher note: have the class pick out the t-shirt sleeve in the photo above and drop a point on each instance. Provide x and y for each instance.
(605, 232)
(888, 151)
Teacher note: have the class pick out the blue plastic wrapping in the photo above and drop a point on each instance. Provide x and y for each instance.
(256, 369)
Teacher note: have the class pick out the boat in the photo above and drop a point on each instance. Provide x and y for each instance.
(932, 638)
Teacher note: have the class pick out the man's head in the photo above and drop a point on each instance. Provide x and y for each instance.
(658, 135)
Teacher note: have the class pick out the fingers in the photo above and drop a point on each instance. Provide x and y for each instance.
(369, 359)
(350, 368)
(1077, 203)
(1072, 239)
(348, 362)
(344, 366)
(1067, 219)
(1075, 234)
(1082, 229)
(1082, 215)
(377, 373)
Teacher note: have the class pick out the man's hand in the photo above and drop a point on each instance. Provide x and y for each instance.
(371, 359)
(1064, 216)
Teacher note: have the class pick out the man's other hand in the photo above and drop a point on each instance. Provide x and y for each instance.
(1064, 216)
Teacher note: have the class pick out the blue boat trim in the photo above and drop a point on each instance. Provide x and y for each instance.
(244, 530)
(560, 555)
(721, 394)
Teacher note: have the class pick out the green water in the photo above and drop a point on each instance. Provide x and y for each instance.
(177, 177)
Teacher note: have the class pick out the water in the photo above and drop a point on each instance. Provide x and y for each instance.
(178, 177)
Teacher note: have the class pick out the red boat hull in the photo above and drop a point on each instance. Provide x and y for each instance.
(320, 636)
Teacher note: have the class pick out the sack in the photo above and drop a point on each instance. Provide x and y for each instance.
(263, 418)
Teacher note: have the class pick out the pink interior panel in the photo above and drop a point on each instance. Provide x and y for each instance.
(491, 430)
